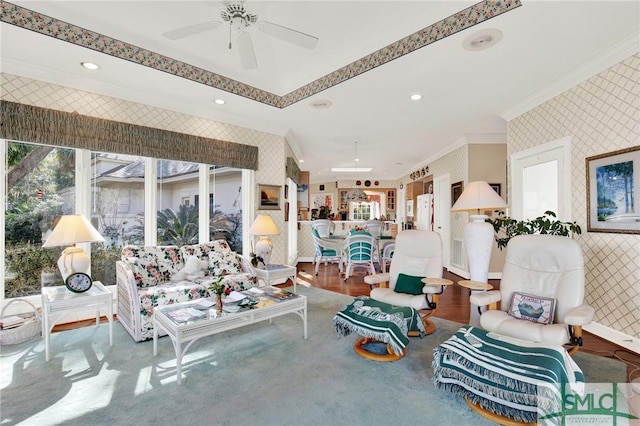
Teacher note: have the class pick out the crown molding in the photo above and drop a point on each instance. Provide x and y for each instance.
(628, 45)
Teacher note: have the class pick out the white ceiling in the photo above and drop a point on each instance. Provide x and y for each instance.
(547, 47)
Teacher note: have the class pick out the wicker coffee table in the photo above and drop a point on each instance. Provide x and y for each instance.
(187, 322)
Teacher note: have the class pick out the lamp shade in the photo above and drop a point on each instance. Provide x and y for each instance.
(72, 229)
(263, 225)
(478, 196)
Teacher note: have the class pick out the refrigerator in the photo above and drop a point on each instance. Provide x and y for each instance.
(424, 212)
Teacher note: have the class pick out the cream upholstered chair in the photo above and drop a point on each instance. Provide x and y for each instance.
(417, 253)
(325, 227)
(540, 271)
(326, 251)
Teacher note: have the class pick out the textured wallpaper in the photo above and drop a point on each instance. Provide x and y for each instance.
(601, 115)
(272, 157)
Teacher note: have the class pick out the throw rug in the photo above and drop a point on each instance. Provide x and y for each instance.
(261, 374)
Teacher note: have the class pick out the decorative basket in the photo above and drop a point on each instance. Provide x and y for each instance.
(30, 329)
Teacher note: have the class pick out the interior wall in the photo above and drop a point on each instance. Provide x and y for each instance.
(272, 155)
(600, 115)
(489, 162)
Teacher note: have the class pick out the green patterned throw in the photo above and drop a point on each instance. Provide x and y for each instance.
(508, 377)
(380, 321)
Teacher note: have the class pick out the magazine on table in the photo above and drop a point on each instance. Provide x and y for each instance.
(186, 314)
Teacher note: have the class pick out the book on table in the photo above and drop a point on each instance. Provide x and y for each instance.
(11, 322)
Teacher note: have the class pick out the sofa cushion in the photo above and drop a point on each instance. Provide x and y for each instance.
(201, 251)
(224, 263)
(151, 265)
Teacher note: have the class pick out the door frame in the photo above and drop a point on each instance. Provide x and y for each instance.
(442, 214)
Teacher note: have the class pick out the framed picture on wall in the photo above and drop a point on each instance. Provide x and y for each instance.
(456, 191)
(613, 186)
(269, 197)
(496, 187)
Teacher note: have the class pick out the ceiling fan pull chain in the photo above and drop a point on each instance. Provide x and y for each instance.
(230, 34)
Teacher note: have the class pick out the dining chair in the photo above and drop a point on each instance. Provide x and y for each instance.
(326, 251)
(360, 250)
(325, 227)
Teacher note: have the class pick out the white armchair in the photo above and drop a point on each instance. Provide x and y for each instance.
(540, 271)
(417, 253)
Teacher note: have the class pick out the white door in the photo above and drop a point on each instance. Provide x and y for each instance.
(442, 214)
(541, 178)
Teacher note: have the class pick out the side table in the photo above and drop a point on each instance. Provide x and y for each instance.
(275, 271)
(474, 317)
(59, 301)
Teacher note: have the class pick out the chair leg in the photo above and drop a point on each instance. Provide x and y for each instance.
(429, 326)
(575, 336)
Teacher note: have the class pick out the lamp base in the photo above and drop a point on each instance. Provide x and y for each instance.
(263, 249)
(73, 259)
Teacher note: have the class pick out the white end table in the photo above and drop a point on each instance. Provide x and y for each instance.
(275, 271)
(59, 301)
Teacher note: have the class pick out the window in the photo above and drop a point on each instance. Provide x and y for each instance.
(42, 185)
(541, 179)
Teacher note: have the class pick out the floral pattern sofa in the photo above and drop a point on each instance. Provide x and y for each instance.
(148, 277)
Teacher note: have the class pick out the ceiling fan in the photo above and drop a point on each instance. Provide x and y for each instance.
(239, 20)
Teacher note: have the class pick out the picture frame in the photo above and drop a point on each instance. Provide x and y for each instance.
(286, 192)
(613, 186)
(269, 197)
(286, 211)
(456, 191)
(496, 187)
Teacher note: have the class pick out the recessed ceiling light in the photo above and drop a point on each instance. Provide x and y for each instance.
(416, 97)
(483, 39)
(320, 103)
(219, 101)
(302, 161)
(90, 65)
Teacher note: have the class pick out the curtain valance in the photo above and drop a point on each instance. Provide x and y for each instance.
(27, 123)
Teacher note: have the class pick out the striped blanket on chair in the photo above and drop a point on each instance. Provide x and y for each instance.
(506, 376)
(380, 321)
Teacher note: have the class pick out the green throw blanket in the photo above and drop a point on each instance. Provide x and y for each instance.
(506, 378)
(380, 321)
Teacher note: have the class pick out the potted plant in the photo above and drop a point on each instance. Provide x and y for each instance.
(506, 227)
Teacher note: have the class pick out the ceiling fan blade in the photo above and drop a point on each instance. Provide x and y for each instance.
(246, 52)
(288, 34)
(191, 30)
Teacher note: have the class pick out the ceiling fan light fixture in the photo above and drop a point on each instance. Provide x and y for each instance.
(483, 39)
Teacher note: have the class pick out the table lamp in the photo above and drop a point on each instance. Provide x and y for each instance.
(478, 234)
(264, 226)
(70, 230)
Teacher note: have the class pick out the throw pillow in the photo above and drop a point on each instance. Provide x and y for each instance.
(221, 263)
(193, 268)
(409, 284)
(532, 308)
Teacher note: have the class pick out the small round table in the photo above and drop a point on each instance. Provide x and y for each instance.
(474, 318)
(430, 326)
(475, 285)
